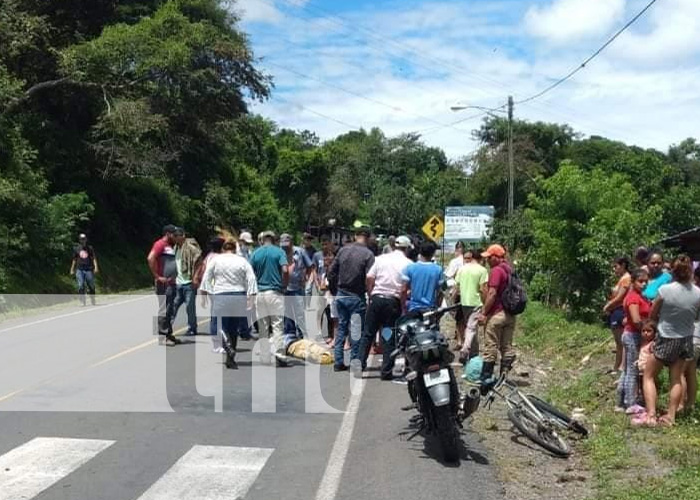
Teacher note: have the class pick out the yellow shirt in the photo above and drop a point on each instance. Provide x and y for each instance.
(470, 279)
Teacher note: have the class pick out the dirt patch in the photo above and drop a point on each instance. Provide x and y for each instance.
(527, 471)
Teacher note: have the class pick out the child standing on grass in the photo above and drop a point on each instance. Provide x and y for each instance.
(647, 348)
(646, 351)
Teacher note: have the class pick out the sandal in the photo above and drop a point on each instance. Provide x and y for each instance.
(635, 410)
(665, 421)
(644, 420)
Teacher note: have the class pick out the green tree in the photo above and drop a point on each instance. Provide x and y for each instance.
(581, 220)
(686, 156)
(538, 148)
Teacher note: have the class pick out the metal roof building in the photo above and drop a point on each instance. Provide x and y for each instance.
(687, 242)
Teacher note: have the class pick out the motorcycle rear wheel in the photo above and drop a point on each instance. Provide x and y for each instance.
(447, 432)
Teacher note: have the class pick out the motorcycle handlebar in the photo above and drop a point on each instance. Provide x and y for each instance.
(436, 313)
(440, 312)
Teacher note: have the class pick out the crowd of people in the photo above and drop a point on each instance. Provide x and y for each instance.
(262, 292)
(654, 315)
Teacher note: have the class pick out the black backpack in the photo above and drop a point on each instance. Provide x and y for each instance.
(514, 296)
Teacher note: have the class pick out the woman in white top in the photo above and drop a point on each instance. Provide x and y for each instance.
(675, 309)
(230, 279)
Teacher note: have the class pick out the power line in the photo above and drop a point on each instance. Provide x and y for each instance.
(312, 111)
(361, 96)
(593, 56)
(342, 26)
(381, 42)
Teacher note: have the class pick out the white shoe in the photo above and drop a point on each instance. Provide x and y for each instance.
(218, 350)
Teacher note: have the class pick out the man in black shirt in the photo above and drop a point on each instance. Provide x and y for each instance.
(84, 267)
(347, 277)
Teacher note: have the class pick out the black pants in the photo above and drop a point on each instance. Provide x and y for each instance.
(382, 312)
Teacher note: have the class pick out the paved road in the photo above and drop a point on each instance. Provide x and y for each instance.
(91, 407)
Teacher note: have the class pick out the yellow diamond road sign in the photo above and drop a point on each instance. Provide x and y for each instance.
(434, 228)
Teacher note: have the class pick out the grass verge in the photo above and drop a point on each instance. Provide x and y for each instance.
(645, 464)
(120, 272)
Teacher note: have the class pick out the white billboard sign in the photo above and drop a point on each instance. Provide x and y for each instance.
(468, 224)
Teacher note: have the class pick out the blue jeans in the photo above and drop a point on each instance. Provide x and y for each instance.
(294, 320)
(85, 278)
(186, 294)
(351, 310)
(229, 311)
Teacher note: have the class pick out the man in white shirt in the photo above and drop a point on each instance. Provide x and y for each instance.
(384, 284)
(455, 264)
(450, 275)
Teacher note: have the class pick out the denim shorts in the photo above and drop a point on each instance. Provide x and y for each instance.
(616, 318)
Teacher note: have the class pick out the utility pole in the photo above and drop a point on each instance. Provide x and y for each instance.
(511, 167)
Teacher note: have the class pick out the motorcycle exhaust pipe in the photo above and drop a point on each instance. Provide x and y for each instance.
(471, 401)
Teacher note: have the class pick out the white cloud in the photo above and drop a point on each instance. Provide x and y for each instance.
(675, 29)
(265, 11)
(261, 11)
(418, 65)
(568, 20)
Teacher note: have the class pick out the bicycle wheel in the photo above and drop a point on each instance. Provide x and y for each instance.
(557, 416)
(538, 432)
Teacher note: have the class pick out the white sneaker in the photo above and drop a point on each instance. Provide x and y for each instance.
(218, 350)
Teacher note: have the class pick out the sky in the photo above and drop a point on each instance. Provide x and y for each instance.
(341, 65)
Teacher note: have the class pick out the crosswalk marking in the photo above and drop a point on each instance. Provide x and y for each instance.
(210, 473)
(36, 465)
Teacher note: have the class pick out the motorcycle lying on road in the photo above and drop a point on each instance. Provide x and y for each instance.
(432, 384)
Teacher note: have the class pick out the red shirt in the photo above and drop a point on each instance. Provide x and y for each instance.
(634, 297)
(498, 279)
(165, 253)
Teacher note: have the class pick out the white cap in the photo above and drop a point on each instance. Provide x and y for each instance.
(403, 242)
(82, 236)
(246, 237)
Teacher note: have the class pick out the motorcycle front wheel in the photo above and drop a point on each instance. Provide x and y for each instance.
(447, 432)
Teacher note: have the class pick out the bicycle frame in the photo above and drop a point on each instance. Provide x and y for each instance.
(521, 408)
(514, 398)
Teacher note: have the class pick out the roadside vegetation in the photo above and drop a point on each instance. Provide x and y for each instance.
(125, 115)
(647, 464)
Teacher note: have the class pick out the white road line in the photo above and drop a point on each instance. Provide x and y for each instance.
(334, 469)
(35, 466)
(210, 473)
(82, 311)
